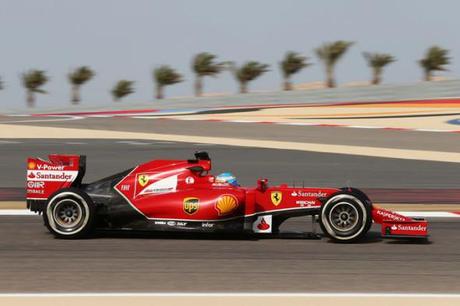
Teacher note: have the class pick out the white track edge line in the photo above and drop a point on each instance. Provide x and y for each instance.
(430, 214)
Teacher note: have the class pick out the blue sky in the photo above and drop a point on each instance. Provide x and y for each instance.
(127, 39)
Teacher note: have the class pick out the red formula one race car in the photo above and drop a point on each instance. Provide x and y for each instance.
(181, 196)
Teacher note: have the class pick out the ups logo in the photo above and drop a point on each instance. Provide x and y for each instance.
(191, 205)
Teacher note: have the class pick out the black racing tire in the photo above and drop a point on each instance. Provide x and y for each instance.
(70, 214)
(345, 218)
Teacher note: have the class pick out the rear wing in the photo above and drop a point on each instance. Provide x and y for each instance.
(44, 177)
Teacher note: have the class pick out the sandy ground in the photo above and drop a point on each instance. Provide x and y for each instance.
(358, 115)
(12, 205)
(269, 300)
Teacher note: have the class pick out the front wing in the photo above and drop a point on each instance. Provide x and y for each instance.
(394, 225)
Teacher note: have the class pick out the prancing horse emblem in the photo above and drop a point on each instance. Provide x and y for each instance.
(276, 197)
(143, 179)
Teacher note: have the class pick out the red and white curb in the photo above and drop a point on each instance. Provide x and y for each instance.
(307, 124)
(154, 114)
(422, 214)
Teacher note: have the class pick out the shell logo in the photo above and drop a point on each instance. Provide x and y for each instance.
(226, 204)
(31, 165)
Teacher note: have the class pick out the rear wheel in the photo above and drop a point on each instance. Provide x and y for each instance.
(70, 214)
(345, 218)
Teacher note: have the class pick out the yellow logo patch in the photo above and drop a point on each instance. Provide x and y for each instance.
(226, 204)
(31, 165)
(191, 205)
(143, 179)
(276, 197)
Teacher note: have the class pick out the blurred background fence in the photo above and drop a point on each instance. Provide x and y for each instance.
(421, 90)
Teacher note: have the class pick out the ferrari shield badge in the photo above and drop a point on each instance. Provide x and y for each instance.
(143, 179)
(191, 205)
(276, 197)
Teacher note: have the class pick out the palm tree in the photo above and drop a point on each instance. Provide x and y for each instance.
(32, 81)
(435, 59)
(291, 64)
(77, 78)
(163, 76)
(329, 54)
(377, 61)
(247, 72)
(204, 64)
(121, 89)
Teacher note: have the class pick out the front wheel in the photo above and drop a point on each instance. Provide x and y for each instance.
(345, 218)
(69, 214)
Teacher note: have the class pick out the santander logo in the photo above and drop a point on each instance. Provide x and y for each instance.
(51, 175)
(416, 228)
(263, 225)
(408, 227)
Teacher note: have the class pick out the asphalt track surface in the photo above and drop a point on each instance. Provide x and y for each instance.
(31, 260)
(447, 142)
(106, 157)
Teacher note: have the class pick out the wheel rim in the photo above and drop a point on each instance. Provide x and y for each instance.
(67, 214)
(343, 217)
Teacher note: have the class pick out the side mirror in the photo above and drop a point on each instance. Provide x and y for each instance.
(262, 184)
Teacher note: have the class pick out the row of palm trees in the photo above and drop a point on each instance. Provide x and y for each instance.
(206, 64)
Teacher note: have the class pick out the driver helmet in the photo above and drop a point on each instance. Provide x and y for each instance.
(228, 178)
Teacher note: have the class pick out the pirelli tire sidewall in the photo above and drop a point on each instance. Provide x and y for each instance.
(85, 204)
(358, 231)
